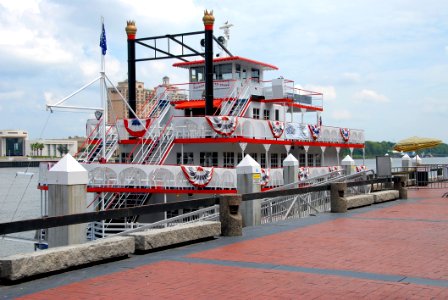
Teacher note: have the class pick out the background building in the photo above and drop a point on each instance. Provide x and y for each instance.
(12, 142)
(117, 109)
(51, 147)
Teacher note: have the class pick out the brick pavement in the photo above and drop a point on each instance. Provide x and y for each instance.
(396, 251)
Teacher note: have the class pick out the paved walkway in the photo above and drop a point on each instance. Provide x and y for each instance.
(395, 250)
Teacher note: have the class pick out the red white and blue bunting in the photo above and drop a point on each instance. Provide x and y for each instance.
(135, 128)
(361, 168)
(224, 125)
(333, 169)
(265, 177)
(197, 175)
(345, 133)
(315, 131)
(277, 128)
(304, 173)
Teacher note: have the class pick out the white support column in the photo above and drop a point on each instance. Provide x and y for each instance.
(338, 149)
(243, 148)
(268, 161)
(287, 148)
(306, 155)
(322, 162)
(351, 152)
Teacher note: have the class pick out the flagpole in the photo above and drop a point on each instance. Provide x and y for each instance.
(103, 89)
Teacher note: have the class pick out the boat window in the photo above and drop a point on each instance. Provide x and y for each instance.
(229, 159)
(187, 158)
(254, 156)
(310, 160)
(266, 114)
(318, 160)
(274, 160)
(302, 160)
(208, 159)
(263, 160)
(222, 72)
(277, 115)
(255, 75)
(197, 74)
(239, 157)
(243, 73)
(237, 71)
(282, 158)
(256, 113)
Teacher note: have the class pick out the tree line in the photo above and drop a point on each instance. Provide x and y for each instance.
(373, 149)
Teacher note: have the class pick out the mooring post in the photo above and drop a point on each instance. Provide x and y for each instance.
(290, 169)
(248, 176)
(67, 183)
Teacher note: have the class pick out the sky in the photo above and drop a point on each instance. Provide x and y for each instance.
(382, 65)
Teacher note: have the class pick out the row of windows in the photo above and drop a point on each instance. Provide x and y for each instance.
(266, 114)
(224, 72)
(210, 159)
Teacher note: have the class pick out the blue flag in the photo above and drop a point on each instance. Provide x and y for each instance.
(103, 43)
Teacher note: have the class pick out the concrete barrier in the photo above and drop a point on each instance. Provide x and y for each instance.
(157, 238)
(59, 258)
(383, 196)
(359, 200)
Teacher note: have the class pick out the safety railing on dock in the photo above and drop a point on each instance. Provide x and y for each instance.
(433, 176)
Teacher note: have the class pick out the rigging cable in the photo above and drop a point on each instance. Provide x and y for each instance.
(26, 172)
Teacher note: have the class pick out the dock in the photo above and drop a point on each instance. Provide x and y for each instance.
(390, 250)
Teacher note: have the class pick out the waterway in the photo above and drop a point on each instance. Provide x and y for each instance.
(20, 199)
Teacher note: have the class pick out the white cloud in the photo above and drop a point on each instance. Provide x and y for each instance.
(370, 96)
(341, 115)
(351, 77)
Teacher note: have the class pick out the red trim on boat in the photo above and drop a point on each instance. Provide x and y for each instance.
(195, 104)
(265, 141)
(223, 59)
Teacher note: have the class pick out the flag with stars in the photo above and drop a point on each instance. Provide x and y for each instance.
(103, 43)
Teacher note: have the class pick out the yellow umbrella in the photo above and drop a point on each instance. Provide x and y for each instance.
(416, 143)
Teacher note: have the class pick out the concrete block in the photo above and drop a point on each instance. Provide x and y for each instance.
(54, 259)
(359, 200)
(383, 196)
(157, 238)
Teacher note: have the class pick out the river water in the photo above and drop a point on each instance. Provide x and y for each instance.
(20, 199)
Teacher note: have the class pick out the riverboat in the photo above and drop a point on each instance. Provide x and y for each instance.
(174, 149)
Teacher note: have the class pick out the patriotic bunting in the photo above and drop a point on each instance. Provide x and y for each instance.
(197, 175)
(303, 173)
(265, 176)
(277, 128)
(333, 169)
(345, 133)
(135, 128)
(224, 125)
(315, 131)
(361, 168)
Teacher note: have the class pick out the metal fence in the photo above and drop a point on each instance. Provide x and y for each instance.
(204, 214)
(434, 176)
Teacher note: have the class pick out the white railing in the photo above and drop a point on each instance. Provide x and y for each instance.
(294, 206)
(198, 127)
(102, 229)
(302, 205)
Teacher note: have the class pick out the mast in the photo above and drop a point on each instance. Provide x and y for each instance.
(208, 20)
(131, 31)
